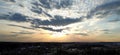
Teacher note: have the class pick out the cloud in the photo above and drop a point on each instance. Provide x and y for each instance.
(10, 0)
(105, 30)
(47, 14)
(4, 35)
(105, 9)
(63, 4)
(51, 29)
(20, 33)
(36, 10)
(82, 34)
(21, 26)
(115, 20)
(58, 21)
(55, 3)
(78, 34)
(17, 17)
(44, 3)
(23, 32)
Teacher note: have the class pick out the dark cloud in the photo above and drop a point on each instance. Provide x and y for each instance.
(58, 21)
(22, 32)
(108, 6)
(82, 34)
(105, 30)
(105, 9)
(63, 4)
(20, 26)
(45, 4)
(15, 34)
(18, 17)
(36, 10)
(21, 5)
(39, 10)
(47, 14)
(15, 17)
(10, 0)
(4, 16)
(51, 29)
(49, 3)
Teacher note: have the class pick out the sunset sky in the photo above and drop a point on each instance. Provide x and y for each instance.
(60, 20)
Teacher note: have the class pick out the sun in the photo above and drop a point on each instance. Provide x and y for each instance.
(58, 34)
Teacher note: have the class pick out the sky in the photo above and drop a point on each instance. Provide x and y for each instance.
(60, 20)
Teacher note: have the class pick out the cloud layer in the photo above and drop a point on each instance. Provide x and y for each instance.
(71, 17)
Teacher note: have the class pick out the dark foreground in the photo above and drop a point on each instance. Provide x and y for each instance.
(13, 48)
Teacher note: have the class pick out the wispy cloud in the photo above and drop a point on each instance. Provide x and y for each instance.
(21, 26)
(22, 32)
